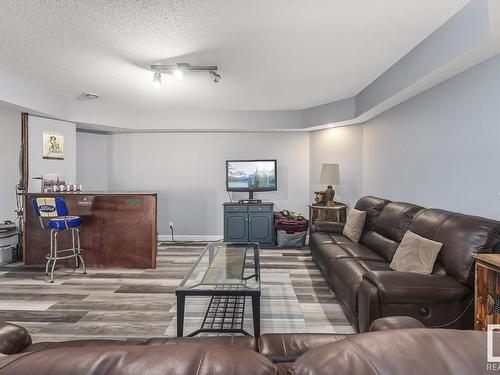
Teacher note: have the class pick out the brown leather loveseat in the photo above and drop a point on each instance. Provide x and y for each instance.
(397, 345)
(368, 289)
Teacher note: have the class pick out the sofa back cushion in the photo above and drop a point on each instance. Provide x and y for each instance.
(182, 359)
(373, 207)
(418, 351)
(461, 235)
(390, 226)
(395, 219)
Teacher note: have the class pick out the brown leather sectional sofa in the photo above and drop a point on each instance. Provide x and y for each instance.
(368, 289)
(397, 345)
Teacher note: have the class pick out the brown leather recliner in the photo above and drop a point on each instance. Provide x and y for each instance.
(395, 345)
(368, 289)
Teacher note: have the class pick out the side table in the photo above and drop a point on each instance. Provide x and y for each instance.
(486, 290)
(335, 213)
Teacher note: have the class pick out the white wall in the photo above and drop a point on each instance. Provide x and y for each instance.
(10, 142)
(188, 172)
(442, 147)
(92, 161)
(38, 165)
(343, 145)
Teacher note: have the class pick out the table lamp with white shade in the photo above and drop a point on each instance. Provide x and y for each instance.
(330, 175)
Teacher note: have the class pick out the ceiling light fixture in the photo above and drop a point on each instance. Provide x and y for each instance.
(214, 76)
(157, 79)
(179, 69)
(178, 74)
(91, 95)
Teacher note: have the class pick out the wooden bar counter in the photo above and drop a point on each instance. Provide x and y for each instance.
(118, 229)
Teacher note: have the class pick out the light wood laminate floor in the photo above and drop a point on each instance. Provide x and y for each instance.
(121, 303)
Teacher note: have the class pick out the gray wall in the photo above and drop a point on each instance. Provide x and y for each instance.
(10, 141)
(92, 161)
(188, 172)
(442, 147)
(439, 149)
(343, 145)
(38, 165)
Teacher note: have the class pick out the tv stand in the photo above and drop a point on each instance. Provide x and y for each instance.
(249, 223)
(250, 199)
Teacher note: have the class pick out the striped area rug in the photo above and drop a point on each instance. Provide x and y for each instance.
(280, 309)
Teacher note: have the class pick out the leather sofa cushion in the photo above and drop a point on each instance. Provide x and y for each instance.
(395, 219)
(405, 351)
(185, 359)
(327, 226)
(359, 251)
(347, 275)
(241, 342)
(395, 322)
(373, 206)
(328, 253)
(381, 245)
(320, 238)
(287, 347)
(284, 368)
(13, 338)
(411, 287)
(353, 228)
(460, 235)
(415, 254)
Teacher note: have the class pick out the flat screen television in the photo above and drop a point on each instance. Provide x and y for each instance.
(251, 175)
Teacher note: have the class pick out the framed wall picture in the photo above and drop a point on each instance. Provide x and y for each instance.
(53, 145)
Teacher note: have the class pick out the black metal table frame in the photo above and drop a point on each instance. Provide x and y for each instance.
(253, 294)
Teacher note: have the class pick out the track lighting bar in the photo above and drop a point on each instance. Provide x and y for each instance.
(178, 71)
(195, 68)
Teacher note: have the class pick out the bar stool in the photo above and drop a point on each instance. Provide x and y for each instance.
(53, 215)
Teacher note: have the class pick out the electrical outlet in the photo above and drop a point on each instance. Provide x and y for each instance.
(171, 224)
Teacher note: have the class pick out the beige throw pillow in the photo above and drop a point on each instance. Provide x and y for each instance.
(415, 254)
(354, 225)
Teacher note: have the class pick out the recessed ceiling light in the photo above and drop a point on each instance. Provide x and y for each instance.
(91, 95)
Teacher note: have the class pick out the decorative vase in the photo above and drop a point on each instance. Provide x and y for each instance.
(329, 195)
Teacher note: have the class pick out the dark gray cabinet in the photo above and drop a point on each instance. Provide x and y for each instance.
(249, 223)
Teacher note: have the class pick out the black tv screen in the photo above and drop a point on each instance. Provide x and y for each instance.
(251, 175)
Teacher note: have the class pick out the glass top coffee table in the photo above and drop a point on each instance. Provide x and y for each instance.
(228, 273)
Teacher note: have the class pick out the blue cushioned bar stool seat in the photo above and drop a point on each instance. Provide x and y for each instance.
(53, 214)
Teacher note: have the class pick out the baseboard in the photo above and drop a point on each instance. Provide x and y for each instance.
(189, 237)
(193, 237)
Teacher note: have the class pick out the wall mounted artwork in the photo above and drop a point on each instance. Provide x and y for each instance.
(53, 145)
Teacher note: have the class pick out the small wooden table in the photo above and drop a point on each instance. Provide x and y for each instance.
(486, 290)
(335, 213)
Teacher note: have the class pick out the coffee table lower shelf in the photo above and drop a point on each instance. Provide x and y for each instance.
(225, 314)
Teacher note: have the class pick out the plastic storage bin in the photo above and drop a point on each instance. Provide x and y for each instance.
(7, 254)
(294, 239)
(8, 243)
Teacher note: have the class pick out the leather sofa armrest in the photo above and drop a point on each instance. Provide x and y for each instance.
(327, 226)
(412, 287)
(287, 347)
(395, 322)
(13, 338)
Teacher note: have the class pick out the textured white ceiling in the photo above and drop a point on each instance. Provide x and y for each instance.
(279, 54)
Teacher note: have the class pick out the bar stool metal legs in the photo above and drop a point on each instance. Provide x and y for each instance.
(75, 252)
